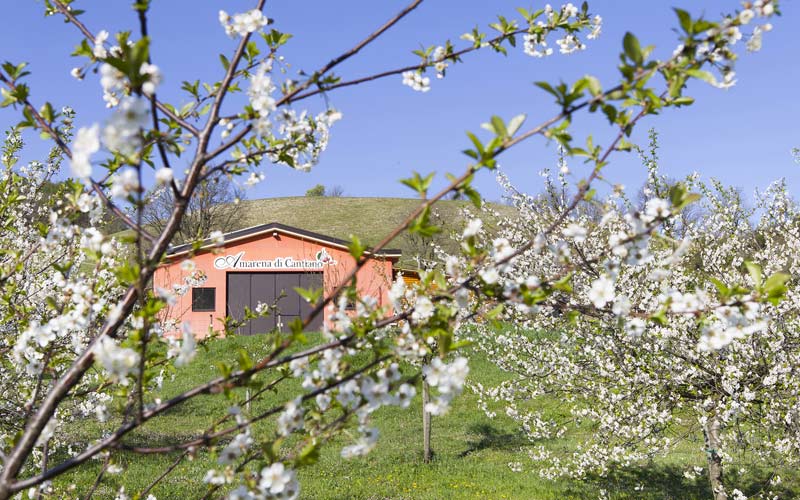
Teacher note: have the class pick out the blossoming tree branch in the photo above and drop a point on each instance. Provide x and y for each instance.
(84, 335)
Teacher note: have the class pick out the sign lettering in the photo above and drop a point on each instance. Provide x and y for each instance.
(237, 261)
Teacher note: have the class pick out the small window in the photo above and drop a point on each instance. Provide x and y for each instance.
(203, 299)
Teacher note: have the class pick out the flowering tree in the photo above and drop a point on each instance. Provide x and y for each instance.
(679, 331)
(74, 320)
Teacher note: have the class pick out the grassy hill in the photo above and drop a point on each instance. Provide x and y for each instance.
(368, 218)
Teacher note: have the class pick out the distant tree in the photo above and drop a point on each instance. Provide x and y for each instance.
(335, 191)
(215, 206)
(318, 190)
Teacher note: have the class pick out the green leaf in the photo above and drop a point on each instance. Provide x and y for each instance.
(593, 84)
(702, 75)
(245, 361)
(310, 295)
(685, 20)
(476, 142)
(564, 284)
(632, 48)
(495, 312)
(515, 124)
(775, 287)
(499, 126)
(418, 183)
(309, 455)
(755, 272)
(547, 88)
(683, 101)
(224, 61)
(624, 145)
(722, 288)
(356, 247)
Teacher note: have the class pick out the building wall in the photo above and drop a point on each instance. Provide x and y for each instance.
(373, 279)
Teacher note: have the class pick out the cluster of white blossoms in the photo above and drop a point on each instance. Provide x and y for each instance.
(114, 84)
(721, 54)
(731, 323)
(99, 51)
(154, 78)
(119, 362)
(416, 81)
(123, 132)
(439, 62)
(300, 137)
(536, 46)
(188, 346)
(276, 482)
(164, 175)
(448, 378)
(124, 184)
(236, 448)
(306, 137)
(569, 44)
(87, 142)
(260, 94)
(243, 23)
(365, 443)
(535, 42)
(291, 419)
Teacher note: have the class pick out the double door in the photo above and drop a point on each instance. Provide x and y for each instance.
(250, 289)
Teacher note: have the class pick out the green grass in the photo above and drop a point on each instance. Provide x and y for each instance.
(471, 458)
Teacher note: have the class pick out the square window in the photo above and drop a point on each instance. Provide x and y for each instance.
(203, 299)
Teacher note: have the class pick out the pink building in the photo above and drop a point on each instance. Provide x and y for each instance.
(264, 264)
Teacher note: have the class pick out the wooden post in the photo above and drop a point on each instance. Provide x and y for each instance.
(426, 423)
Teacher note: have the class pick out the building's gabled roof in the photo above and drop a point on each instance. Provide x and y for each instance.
(275, 227)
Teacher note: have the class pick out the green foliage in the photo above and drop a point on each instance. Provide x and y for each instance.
(316, 191)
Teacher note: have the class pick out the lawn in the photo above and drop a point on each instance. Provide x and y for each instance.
(472, 453)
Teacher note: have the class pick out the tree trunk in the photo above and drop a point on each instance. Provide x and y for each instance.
(711, 432)
(426, 423)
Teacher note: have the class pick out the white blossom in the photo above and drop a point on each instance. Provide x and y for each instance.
(188, 346)
(122, 133)
(153, 78)
(416, 81)
(473, 228)
(124, 184)
(164, 175)
(118, 361)
(87, 142)
(99, 51)
(242, 24)
(279, 482)
(602, 291)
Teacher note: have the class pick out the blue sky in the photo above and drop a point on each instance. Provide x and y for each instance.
(743, 135)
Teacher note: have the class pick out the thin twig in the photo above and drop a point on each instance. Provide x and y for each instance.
(343, 57)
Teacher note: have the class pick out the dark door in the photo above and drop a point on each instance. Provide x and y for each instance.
(287, 298)
(310, 280)
(250, 289)
(237, 297)
(262, 289)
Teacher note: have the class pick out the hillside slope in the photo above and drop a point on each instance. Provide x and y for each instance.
(368, 218)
